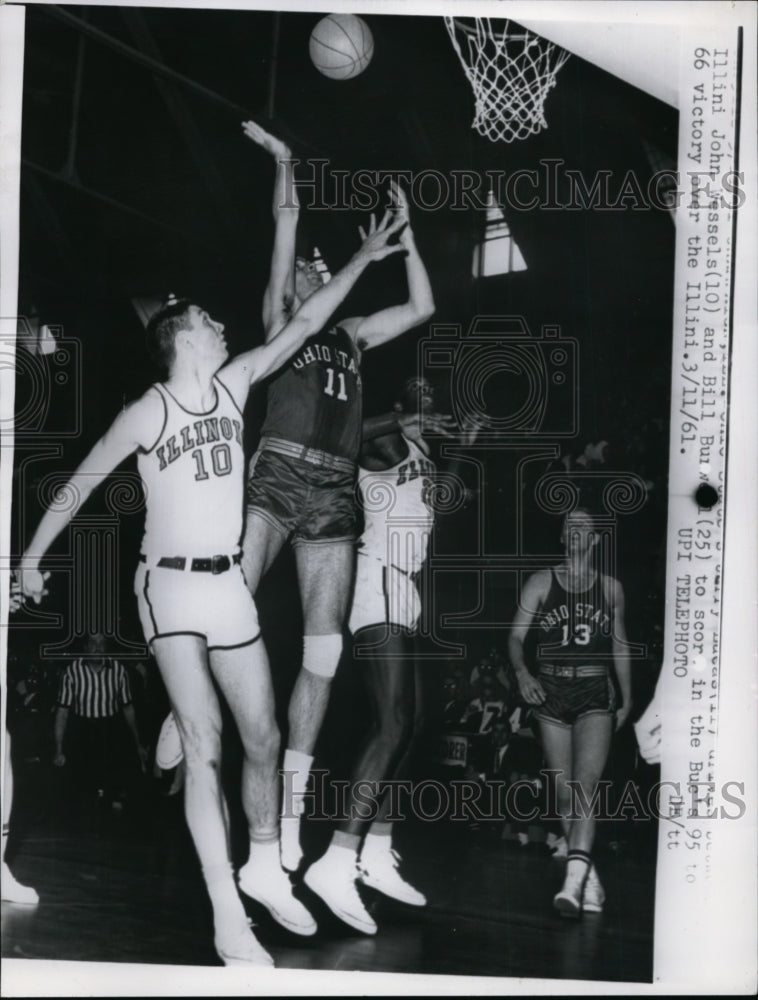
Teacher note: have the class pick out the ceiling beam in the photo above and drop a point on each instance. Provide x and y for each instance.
(110, 202)
(208, 171)
(141, 58)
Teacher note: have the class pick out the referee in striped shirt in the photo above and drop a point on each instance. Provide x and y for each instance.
(96, 690)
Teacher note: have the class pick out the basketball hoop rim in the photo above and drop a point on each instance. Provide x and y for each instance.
(497, 35)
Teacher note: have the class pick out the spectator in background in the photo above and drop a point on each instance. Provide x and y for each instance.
(491, 666)
(96, 689)
(454, 699)
(488, 670)
(486, 707)
(32, 695)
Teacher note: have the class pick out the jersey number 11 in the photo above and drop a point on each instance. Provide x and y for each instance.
(329, 387)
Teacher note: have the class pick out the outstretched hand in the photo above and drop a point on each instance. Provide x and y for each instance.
(415, 425)
(376, 245)
(469, 428)
(276, 147)
(32, 583)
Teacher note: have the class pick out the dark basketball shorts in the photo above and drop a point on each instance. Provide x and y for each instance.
(572, 698)
(308, 502)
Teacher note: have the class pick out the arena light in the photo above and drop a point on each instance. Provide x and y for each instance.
(498, 252)
(33, 336)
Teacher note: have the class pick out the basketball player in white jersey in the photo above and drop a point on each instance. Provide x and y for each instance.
(302, 478)
(195, 609)
(396, 480)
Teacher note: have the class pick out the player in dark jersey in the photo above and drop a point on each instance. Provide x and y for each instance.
(302, 478)
(578, 613)
(196, 611)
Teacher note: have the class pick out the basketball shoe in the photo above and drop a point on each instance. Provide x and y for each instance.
(569, 900)
(378, 869)
(333, 878)
(594, 894)
(239, 946)
(270, 886)
(291, 851)
(14, 892)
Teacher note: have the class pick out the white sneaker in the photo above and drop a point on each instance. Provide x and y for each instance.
(569, 900)
(290, 851)
(241, 947)
(335, 883)
(14, 892)
(594, 893)
(273, 889)
(168, 749)
(378, 870)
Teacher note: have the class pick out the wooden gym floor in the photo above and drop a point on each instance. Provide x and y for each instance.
(124, 886)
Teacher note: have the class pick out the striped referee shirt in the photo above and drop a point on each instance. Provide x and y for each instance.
(95, 692)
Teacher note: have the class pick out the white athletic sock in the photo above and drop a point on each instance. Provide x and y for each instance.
(264, 851)
(350, 840)
(297, 767)
(381, 828)
(225, 900)
(577, 866)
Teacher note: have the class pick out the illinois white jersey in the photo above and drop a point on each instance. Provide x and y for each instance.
(397, 511)
(393, 547)
(193, 477)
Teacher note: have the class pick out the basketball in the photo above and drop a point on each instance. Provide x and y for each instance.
(341, 46)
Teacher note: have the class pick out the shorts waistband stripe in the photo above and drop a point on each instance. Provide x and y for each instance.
(560, 670)
(312, 455)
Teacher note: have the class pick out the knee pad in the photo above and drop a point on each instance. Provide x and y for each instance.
(321, 654)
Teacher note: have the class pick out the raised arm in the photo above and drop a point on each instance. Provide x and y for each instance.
(621, 662)
(137, 426)
(385, 325)
(410, 425)
(312, 316)
(531, 597)
(279, 296)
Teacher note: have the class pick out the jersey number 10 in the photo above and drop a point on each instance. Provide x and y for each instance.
(221, 458)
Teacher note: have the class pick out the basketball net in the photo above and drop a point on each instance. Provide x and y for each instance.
(510, 74)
